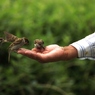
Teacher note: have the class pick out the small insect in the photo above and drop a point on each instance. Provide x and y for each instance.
(18, 43)
(39, 44)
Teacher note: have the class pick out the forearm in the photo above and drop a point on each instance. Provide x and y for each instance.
(70, 52)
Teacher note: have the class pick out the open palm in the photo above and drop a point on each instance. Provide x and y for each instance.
(49, 54)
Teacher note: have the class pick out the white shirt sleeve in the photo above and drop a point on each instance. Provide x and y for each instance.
(86, 47)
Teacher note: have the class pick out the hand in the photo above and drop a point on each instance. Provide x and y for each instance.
(51, 53)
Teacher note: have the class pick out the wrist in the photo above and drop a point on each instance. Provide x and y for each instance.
(69, 52)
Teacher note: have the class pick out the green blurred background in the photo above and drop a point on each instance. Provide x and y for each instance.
(59, 22)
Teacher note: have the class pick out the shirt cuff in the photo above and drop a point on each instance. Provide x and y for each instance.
(86, 47)
(82, 47)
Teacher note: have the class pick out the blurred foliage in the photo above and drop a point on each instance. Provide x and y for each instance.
(56, 22)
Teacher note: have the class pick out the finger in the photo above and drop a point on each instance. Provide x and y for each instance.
(33, 49)
(32, 54)
(38, 50)
(26, 52)
(21, 50)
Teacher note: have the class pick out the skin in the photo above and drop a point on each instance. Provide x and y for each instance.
(51, 53)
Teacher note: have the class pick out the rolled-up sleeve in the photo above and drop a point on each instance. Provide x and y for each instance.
(86, 47)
